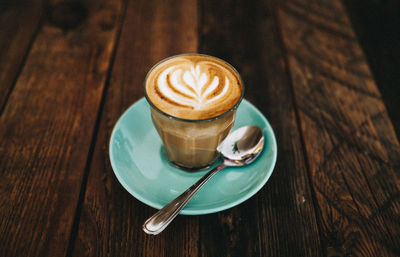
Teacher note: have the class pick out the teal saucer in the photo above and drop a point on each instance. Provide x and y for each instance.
(141, 166)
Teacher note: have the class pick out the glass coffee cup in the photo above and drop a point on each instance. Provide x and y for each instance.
(193, 101)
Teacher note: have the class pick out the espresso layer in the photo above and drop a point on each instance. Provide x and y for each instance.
(193, 87)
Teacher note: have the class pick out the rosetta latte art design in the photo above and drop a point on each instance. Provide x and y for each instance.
(188, 85)
(193, 87)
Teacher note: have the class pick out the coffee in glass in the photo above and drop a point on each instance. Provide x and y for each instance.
(193, 101)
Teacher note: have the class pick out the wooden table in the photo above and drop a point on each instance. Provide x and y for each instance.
(69, 69)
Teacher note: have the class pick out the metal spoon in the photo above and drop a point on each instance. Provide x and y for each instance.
(240, 148)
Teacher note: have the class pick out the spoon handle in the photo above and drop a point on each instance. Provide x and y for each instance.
(161, 219)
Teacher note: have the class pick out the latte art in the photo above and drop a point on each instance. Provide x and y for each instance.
(193, 87)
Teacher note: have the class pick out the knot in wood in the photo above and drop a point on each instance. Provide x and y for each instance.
(67, 15)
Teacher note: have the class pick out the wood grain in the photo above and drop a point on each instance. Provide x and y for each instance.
(375, 23)
(47, 126)
(111, 219)
(280, 219)
(16, 37)
(352, 150)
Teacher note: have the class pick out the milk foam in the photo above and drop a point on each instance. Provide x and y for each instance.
(186, 84)
(193, 87)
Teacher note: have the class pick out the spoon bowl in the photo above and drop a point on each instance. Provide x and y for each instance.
(239, 148)
(242, 146)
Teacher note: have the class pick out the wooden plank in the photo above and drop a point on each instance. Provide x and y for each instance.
(47, 126)
(280, 219)
(375, 23)
(19, 22)
(111, 219)
(352, 150)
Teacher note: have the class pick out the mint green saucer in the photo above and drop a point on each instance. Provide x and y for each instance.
(141, 166)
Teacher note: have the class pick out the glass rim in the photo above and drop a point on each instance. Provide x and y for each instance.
(233, 108)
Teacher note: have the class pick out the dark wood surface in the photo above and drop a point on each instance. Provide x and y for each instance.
(375, 23)
(68, 70)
